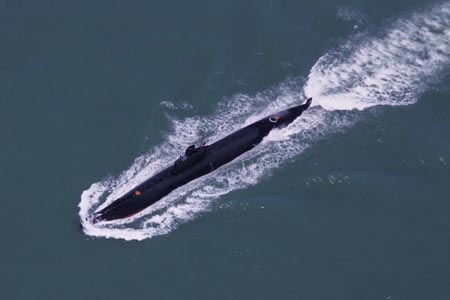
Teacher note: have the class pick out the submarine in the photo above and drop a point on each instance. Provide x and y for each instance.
(194, 163)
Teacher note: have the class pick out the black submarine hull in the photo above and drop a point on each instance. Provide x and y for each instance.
(205, 160)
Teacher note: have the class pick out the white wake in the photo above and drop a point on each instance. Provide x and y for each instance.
(393, 69)
(390, 70)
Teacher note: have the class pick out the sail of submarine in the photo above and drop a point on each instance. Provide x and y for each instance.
(196, 162)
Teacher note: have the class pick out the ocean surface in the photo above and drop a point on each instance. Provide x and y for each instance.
(351, 201)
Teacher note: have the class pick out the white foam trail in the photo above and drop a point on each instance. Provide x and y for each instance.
(391, 70)
(181, 105)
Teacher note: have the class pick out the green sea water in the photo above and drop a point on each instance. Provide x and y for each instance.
(350, 202)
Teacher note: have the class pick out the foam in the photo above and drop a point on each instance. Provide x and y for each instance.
(181, 105)
(390, 70)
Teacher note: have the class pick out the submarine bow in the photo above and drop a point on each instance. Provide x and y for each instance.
(194, 163)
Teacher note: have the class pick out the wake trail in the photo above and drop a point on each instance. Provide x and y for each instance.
(393, 69)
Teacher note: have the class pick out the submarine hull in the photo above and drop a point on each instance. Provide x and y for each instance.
(204, 161)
